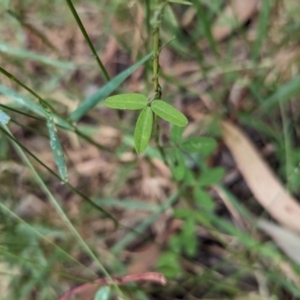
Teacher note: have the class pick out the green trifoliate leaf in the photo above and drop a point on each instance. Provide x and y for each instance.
(169, 113)
(127, 101)
(143, 129)
(203, 145)
(106, 90)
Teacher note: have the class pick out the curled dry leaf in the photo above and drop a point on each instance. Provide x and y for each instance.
(263, 183)
(236, 12)
(287, 240)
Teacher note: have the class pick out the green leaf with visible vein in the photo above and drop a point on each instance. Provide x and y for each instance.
(55, 144)
(202, 145)
(143, 129)
(106, 90)
(169, 113)
(127, 101)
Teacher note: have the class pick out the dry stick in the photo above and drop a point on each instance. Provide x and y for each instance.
(143, 277)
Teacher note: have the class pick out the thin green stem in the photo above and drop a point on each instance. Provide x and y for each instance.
(156, 42)
(13, 78)
(32, 29)
(156, 47)
(42, 101)
(158, 14)
(60, 211)
(44, 238)
(88, 40)
(107, 214)
(54, 202)
(22, 113)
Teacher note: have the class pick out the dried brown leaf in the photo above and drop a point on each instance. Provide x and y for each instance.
(287, 240)
(263, 183)
(235, 13)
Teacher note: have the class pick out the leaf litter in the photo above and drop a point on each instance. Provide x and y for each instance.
(95, 172)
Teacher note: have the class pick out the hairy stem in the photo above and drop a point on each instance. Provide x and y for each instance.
(156, 42)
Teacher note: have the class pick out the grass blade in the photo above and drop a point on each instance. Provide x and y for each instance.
(25, 54)
(139, 229)
(32, 106)
(262, 28)
(4, 118)
(287, 91)
(61, 213)
(206, 26)
(106, 90)
(88, 40)
(55, 144)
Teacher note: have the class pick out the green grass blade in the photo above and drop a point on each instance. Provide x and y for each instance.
(120, 245)
(106, 90)
(262, 28)
(290, 89)
(55, 144)
(206, 26)
(25, 54)
(180, 2)
(84, 197)
(127, 204)
(88, 40)
(60, 211)
(4, 118)
(31, 105)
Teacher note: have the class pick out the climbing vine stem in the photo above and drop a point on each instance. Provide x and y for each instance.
(156, 22)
